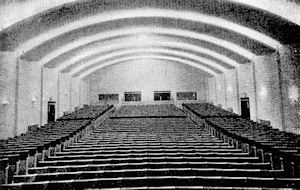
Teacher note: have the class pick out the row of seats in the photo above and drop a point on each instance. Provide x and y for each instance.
(21, 152)
(152, 153)
(86, 112)
(209, 110)
(283, 145)
(163, 110)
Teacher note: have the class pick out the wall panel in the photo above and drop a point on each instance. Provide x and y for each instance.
(148, 76)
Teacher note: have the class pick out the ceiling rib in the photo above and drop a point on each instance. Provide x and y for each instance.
(159, 51)
(126, 45)
(138, 13)
(85, 73)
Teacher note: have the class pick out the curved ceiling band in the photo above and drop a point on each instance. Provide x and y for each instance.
(128, 44)
(131, 58)
(285, 9)
(66, 38)
(147, 30)
(145, 51)
(137, 13)
(69, 65)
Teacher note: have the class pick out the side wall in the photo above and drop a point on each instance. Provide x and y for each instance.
(269, 100)
(8, 94)
(29, 95)
(271, 82)
(289, 62)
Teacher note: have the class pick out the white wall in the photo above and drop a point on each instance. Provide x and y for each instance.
(246, 85)
(220, 90)
(268, 92)
(212, 95)
(8, 63)
(290, 74)
(75, 93)
(29, 95)
(231, 90)
(64, 93)
(147, 76)
(50, 90)
(84, 92)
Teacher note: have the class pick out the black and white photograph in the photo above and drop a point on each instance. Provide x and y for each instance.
(149, 94)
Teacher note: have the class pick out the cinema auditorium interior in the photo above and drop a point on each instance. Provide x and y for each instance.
(149, 94)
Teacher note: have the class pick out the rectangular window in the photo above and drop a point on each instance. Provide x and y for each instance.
(108, 97)
(186, 95)
(133, 96)
(162, 95)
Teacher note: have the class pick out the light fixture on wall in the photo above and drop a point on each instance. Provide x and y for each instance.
(33, 100)
(229, 88)
(4, 101)
(243, 95)
(263, 91)
(293, 93)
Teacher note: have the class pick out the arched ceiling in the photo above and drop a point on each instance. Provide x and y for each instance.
(85, 72)
(214, 35)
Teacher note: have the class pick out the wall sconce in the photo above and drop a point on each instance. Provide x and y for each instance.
(229, 89)
(293, 93)
(4, 101)
(263, 91)
(33, 100)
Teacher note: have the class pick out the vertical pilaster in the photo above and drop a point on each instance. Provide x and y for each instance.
(15, 128)
(238, 90)
(279, 66)
(255, 90)
(58, 99)
(225, 90)
(42, 95)
(70, 93)
(216, 90)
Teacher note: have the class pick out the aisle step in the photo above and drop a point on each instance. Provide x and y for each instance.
(151, 154)
(174, 150)
(148, 172)
(137, 147)
(148, 159)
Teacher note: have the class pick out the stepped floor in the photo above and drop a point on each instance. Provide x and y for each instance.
(151, 153)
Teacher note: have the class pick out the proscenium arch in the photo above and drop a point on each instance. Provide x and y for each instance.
(82, 75)
(148, 31)
(128, 44)
(148, 12)
(201, 61)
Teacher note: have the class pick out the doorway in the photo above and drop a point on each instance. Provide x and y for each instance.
(51, 111)
(245, 108)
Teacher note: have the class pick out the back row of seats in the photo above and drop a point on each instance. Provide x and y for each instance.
(164, 110)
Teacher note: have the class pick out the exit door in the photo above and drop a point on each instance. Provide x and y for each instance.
(245, 108)
(51, 111)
